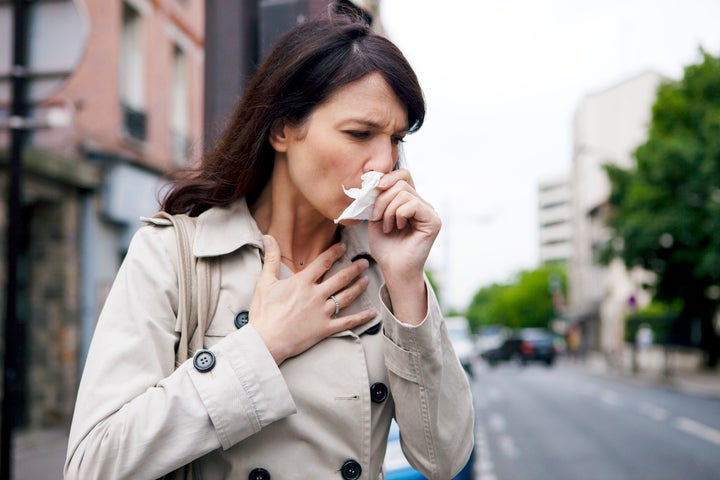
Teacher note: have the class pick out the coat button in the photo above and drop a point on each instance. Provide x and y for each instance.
(373, 330)
(204, 360)
(378, 392)
(259, 474)
(241, 319)
(351, 470)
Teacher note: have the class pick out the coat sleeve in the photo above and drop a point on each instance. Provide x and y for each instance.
(433, 404)
(136, 416)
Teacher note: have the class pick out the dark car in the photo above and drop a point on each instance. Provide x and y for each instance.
(525, 345)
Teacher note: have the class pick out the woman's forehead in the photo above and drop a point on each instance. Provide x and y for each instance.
(369, 101)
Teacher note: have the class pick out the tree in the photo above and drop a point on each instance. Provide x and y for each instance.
(525, 302)
(665, 211)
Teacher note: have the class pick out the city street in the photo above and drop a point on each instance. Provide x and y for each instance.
(566, 423)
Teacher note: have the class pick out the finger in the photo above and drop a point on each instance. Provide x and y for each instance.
(384, 199)
(344, 277)
(400, 209)
(271, 265)
(391, 178)
(318, 267)
(348, 322)
(347, 296)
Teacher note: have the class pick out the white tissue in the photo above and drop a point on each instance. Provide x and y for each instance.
(362, 207)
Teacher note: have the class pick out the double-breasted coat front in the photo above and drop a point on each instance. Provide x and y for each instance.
(323, 414)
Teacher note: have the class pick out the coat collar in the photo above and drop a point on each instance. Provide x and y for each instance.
(222, 230)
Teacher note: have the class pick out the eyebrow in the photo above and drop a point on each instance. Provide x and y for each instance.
(371, 124)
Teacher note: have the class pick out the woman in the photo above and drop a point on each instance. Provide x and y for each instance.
(307, 388)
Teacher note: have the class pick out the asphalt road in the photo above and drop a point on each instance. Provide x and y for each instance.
(564, 423)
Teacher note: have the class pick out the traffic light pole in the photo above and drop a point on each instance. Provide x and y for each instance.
(17, 138)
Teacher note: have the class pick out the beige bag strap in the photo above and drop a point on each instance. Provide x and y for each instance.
(198, 288)
(198, 291)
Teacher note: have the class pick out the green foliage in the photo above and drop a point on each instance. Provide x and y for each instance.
(665, 212)
(660, 316)
(433, 283)
(527, 301)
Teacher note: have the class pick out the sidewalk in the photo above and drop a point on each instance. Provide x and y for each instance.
(39, 454)
(695, 382)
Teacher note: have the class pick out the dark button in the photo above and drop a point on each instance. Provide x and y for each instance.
(204, 360)
(351, 470)
(259, 474)
(241, 319)
(373, 330)
(378, 392)
(366, 256)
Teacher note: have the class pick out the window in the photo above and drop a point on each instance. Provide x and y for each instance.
(179, 107)
(132, 75)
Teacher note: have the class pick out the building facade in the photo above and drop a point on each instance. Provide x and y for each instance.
(134, 104)
(608, 127)
(554, 218)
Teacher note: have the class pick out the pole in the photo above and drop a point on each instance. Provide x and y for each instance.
(17, 137)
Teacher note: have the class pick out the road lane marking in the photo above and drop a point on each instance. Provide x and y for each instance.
(497, 422)
(610, 397)
(484, 468)
(507, 446)
(653, 411)
(494, 394)
(698, 429)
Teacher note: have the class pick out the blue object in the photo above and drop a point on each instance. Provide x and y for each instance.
(398, 468)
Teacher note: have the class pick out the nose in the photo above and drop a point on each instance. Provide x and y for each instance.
(383, 157)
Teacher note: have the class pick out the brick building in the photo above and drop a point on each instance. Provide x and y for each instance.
(135, 103)
(138, 109)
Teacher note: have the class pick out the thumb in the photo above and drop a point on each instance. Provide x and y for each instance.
(271, 267)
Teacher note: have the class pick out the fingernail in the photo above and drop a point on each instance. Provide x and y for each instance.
(375, 214)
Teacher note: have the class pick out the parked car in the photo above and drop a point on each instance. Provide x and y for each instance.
(526, 345)
(490, 337)
(397, 467)
(461, 338)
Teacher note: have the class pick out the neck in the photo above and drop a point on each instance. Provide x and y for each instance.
(300, 230)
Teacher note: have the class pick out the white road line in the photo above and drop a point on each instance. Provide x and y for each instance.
(698, 429)
(610, 397)
(497, 422)
(507, 446)
(653, 411)
(484, 468)
(494, 394)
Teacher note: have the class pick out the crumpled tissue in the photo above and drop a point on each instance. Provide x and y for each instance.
(362, 207)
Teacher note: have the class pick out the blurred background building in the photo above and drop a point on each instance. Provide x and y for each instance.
(608, 126)
(138, 104)
(554, 218)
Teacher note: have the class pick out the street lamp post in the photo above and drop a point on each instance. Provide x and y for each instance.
(17, 139)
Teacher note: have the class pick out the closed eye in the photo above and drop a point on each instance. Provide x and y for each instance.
(358, 134)
(396, 139)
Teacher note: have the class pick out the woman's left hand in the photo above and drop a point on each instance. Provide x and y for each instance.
(402, 231)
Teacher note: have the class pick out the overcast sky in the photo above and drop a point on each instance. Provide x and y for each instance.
(502, 80)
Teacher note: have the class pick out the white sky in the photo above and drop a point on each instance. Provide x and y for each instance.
(502, 79)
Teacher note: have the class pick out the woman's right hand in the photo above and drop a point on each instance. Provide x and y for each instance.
(293, 314)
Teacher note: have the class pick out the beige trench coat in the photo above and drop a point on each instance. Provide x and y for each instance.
(138, 417)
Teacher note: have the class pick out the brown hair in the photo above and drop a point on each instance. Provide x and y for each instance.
(304, 68)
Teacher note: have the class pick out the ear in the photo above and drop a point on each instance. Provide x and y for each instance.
(279, 135)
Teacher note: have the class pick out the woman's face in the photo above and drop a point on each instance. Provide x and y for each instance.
(356, 130)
